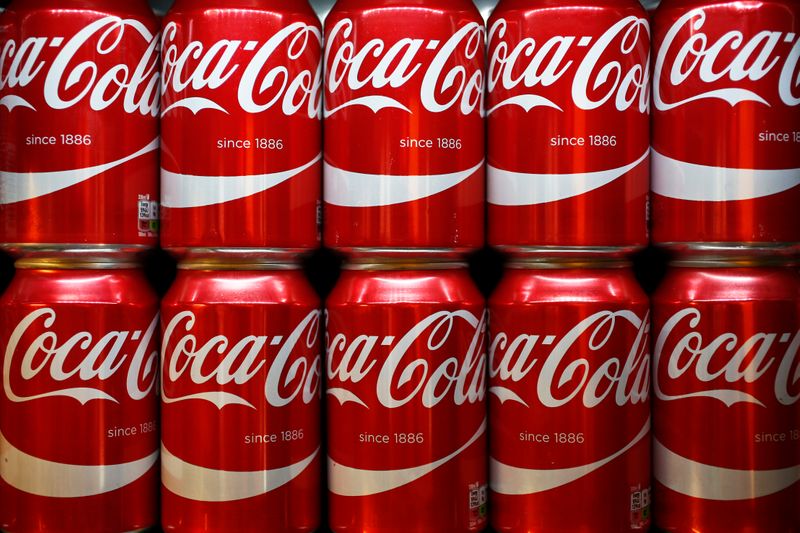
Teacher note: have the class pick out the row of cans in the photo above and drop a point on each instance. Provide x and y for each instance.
(232, 96)
(547, 424)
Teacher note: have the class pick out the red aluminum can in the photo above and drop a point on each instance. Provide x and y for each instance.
(240, 130)
(406, 411)
(568, 103)
(78, 125)
(726, 380)
(726, 109)
(78, 410)
(569, 381)
(240, 399)
(404, 128)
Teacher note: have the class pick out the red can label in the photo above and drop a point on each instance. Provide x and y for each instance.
(241, 130)
(407, 418)
(568, 126)
(727, 438)
(79, 108)
(404, 131)
(734, 68)
(570, 416)
(240, 403)
(78, 418)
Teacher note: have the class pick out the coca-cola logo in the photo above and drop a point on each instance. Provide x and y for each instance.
(610, 70)
(689, 364)
(404, 375)
(690, 57)
(453, 78)
(272, 75)
(293, 373)
(50, 360)
(565, 373)
(70, 78)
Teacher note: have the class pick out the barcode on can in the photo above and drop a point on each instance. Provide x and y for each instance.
(477, 496)
(148, 210)
(640, 499)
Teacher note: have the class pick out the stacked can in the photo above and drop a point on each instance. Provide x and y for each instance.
(569, 380)
(725, 375)
(406, 362)
(404, 127)
(568, 177)
(240, 388)
(79, 411)
(404, 200)
(79, 104)
(726, 187)
(568, 127)
(726, 164)
(79, 107)
(240, 193)
(241, 134)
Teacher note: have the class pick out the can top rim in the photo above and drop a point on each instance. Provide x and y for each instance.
(75, 263)
(554, 263)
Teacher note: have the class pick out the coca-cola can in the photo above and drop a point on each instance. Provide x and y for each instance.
(726, 380)
(79, 102)
(726, 109)
(78, 409)
(404, 127)
(241, 130)
(240, 399)
(406, 359)
(568, 121)
(569, 384)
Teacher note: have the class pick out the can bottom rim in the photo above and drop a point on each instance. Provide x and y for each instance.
(731, 249)
(152, 528)
(82, 250)
(366, 252)
(571, 252)
(239, 253)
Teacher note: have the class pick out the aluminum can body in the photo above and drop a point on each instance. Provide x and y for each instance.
(241, 130)
(405, 396)
(569, 383)
(78, 410)
(726, 105)
(725, 406)
(404, 127)
(79, 125)
(240, 400)
(568, 122)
